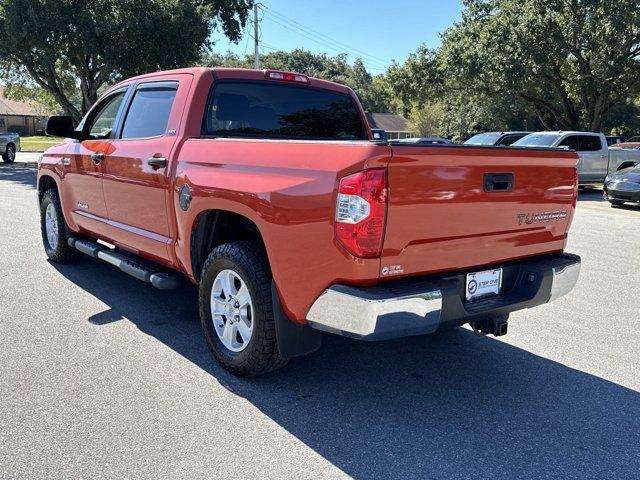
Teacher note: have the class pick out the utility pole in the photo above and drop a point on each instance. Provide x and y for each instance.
(256, 54)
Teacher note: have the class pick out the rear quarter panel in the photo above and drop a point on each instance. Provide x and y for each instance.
(288, 189)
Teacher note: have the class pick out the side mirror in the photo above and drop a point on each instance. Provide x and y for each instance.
(62, 126)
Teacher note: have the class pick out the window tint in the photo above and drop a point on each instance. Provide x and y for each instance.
(104, 120)
(510, 139)
(281, 111)
(589, 143)
(149, 113)
(571, 141)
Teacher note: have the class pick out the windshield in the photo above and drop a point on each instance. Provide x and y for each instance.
(537, 140)
(483, 139)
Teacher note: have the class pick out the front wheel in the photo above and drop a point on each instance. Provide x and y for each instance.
(236, 309)
(616, 203)
(9, 156)
(54, 229)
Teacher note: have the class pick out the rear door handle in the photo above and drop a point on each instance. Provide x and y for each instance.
(97, 157)
(498, 182)
(157, 162)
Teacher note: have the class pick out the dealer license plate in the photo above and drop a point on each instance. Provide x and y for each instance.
(482, 284)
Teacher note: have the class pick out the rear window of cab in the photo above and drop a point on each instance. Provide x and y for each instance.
(271, 110)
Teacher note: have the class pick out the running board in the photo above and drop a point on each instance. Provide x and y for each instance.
(131, 266)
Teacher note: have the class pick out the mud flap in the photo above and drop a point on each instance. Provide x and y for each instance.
(294, 339)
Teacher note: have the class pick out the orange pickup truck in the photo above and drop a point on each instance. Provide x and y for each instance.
(268, 191)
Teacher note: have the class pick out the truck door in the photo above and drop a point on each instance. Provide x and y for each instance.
(137, 170)
(595, 151)
(591, 156)
(83, 165)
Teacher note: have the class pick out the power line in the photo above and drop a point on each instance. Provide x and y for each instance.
(322, 38)
(325, 44)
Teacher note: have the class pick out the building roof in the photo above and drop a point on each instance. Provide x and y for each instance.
(390, 122)
(16, 107)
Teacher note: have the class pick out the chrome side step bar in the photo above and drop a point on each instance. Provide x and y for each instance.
(127, 264)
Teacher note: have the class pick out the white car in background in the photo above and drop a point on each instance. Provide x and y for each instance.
(596, 158)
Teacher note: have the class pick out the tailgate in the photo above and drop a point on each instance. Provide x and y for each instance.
(461, 207)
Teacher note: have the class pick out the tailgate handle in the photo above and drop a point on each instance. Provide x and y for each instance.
(498, 182)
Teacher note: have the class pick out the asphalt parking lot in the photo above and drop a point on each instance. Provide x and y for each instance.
(102, 376)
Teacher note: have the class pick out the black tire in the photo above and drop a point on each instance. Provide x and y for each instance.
(62, 253)
(261, 354)
(616, 203)
(9, 156)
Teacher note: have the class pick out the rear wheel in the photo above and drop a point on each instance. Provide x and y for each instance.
(54, 229)
(236, 309)
(9, 156)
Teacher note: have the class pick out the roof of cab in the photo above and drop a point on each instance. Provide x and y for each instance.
(236, 74)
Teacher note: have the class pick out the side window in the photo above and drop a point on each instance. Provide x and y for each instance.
(571, 141)
(589, 143)
(149, 112)
(508, 140)
(103, 121)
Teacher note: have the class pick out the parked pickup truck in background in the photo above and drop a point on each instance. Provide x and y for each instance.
(9, 145)
(597, 159)
(268, 191)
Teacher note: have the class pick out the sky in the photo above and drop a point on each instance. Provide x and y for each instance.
(378, 31)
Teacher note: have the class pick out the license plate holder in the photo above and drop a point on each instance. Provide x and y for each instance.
(483, 284)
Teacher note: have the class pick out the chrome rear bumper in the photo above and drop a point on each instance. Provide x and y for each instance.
(421, 305)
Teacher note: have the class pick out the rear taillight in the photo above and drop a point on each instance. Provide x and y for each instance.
(361, 210)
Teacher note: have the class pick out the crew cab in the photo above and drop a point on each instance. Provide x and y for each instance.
(596, 158)
(268, 191)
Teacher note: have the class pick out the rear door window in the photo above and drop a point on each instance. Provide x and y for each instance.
(589, 143)
(149, 112)
(268, 110)
(571, 141)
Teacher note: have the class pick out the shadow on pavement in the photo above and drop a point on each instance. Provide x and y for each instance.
(450, 405)
(23, 173)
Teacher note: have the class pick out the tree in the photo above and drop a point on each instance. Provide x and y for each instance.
(569, 61)
(69, 46)
(426, 120)
(42, 101)
(374, 94)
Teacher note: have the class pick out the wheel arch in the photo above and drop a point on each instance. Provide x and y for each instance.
(46, 182)
(214, 227)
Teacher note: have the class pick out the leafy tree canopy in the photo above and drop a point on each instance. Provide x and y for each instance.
(557, 64)
(570, 61)
(76, 46)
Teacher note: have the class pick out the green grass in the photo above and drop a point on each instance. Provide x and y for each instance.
(38, 143)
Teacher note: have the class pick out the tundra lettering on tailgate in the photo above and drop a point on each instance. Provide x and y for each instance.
(530, 218)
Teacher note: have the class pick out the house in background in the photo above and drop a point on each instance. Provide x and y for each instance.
(395, 125)
(23, 117)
